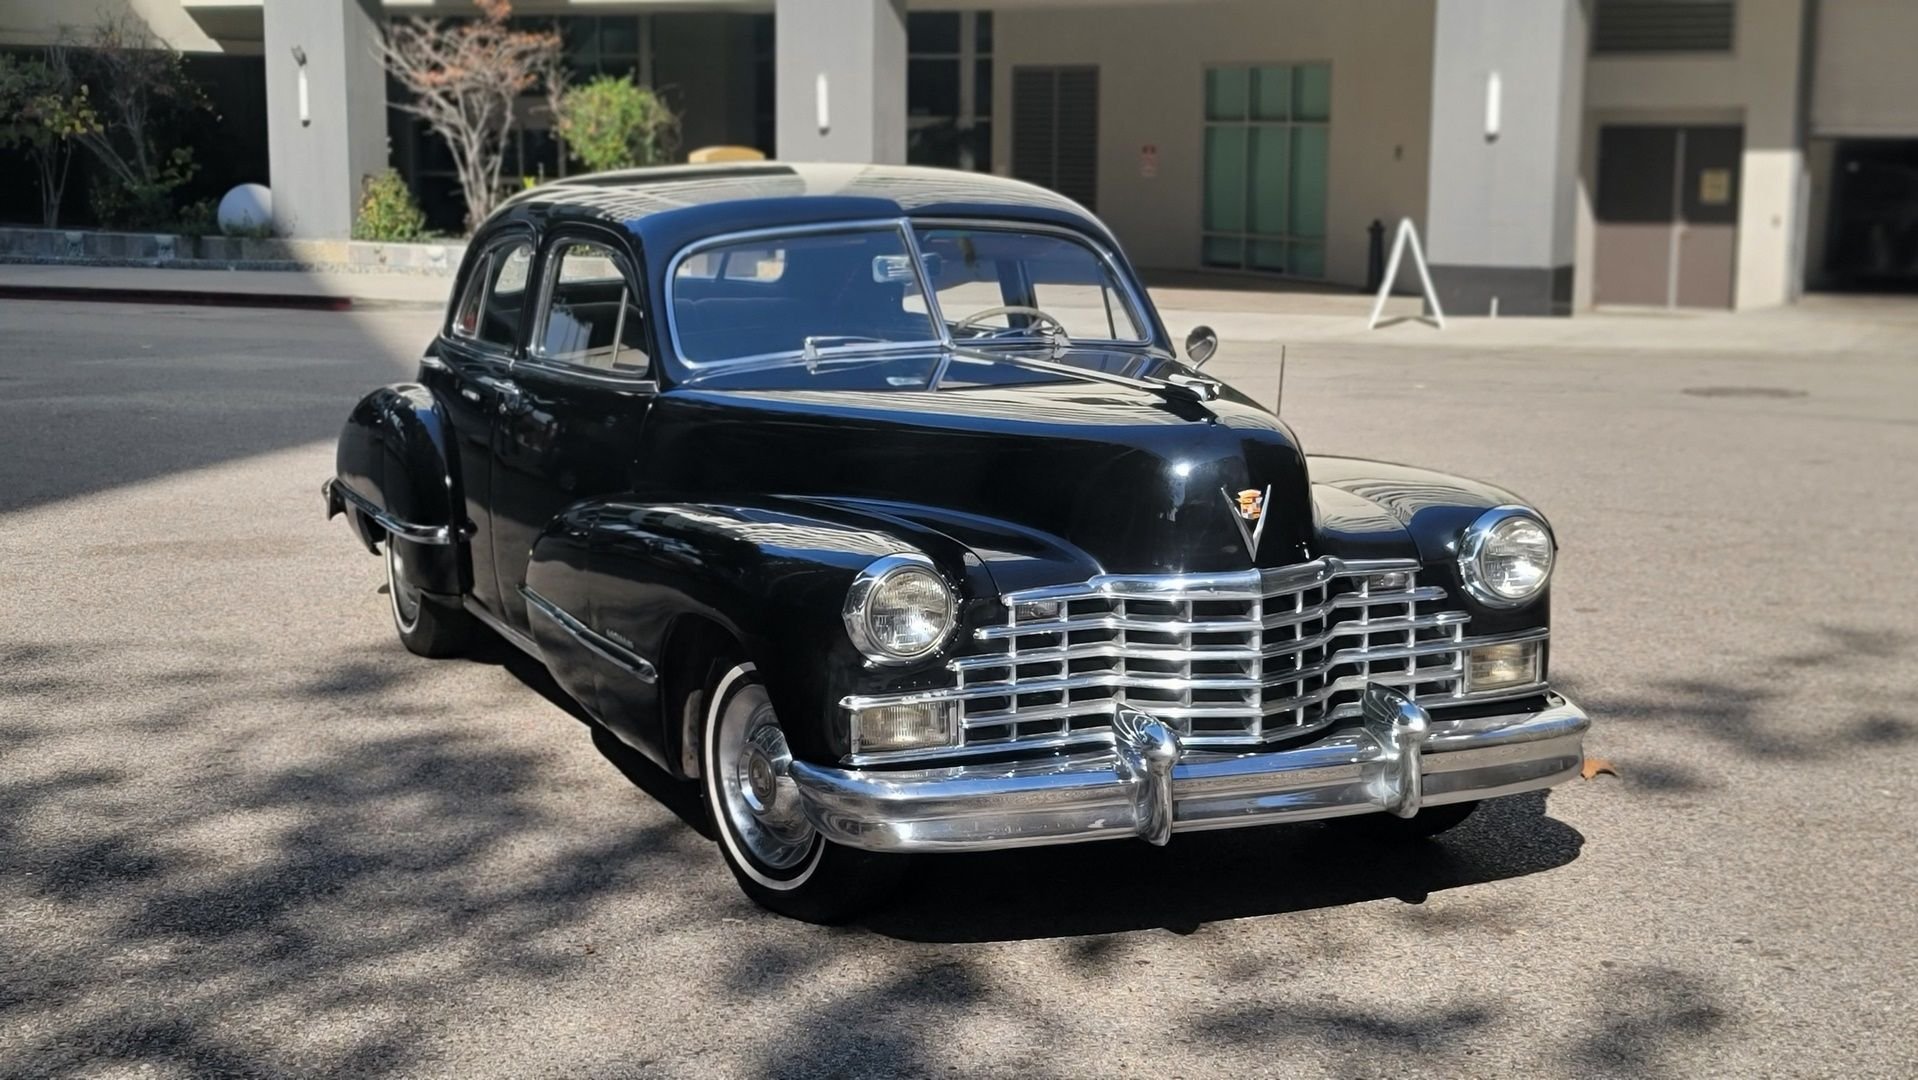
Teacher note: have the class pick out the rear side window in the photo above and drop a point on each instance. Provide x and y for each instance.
(593, 317)
(496, 296)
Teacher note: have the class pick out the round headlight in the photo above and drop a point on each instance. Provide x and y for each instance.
(1506, 557)
(898, 609)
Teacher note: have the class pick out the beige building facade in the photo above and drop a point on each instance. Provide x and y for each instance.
(1555, 154)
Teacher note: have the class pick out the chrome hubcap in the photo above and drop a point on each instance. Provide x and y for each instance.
(406, 598)
(761, 800)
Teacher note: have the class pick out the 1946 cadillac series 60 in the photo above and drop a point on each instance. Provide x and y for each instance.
(877, 502)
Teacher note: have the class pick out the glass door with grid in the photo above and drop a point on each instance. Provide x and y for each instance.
(1267, 130)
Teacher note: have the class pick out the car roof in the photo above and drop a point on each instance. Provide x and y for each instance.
(670, 206)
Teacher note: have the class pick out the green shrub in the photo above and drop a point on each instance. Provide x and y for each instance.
(613, 123)
(387, 212)
(143, 205)
(198, 219)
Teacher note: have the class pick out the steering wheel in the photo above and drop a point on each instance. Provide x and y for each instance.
(1032, 313)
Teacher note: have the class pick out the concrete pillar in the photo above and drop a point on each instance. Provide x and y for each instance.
(320, 148)
(840, 80)
(1508, 82)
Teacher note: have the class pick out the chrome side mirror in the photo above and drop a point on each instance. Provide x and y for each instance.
(1200, 344)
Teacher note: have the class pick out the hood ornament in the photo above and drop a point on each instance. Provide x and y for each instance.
(1248, 513)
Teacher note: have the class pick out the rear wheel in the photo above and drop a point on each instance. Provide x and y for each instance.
(780, 860)
(429, 624)
(1392, 829)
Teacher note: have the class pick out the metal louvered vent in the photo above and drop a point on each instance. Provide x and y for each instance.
(1055, 129)
(1663, 26)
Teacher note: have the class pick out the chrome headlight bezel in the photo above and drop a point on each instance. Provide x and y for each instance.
(1485, 531)
(869, 584)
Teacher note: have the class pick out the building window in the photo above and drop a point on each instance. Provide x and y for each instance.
(949, 89)
(1267, 129)
(1663, 26)
(606, 45)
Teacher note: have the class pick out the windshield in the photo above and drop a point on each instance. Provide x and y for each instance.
(853, 294)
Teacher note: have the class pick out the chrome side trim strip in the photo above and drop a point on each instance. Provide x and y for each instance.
(494, 623)
(405, 530)
(599, 644)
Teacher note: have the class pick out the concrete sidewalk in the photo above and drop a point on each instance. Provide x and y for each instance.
(1241, 312)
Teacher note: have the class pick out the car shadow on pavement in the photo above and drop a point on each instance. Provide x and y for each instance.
(1105, 888)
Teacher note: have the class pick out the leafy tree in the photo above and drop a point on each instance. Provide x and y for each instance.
(464, 79)
(613, 123)
(136, 86)
(44, 111)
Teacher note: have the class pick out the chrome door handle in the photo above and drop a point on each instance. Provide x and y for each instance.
(508, 391)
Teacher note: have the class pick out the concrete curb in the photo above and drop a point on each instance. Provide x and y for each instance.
(196, 297)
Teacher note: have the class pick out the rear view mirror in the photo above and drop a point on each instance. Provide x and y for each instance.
(1200, 344)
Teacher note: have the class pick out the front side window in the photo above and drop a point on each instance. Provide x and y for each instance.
(593, 317)
(849, 290)
(495, 296)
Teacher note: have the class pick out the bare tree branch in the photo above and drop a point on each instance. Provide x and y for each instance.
(463, 79)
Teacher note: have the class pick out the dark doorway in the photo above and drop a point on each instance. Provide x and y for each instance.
(1668, 215)
(1055, 129)
(1873, 242)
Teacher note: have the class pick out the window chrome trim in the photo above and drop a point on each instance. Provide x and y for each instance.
(1472, 543)
(859, 595)
(511, 237)
(535, 355)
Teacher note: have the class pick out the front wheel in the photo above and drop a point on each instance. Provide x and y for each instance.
(781, 861)
(428, 624)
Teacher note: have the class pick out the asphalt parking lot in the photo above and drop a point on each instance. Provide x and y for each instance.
(243, 832)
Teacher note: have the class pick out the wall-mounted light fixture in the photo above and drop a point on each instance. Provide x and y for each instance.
(1494, 105)
(819, 103)
(306, 108)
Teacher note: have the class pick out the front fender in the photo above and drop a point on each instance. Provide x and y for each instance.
(771, 572)
(397, 474)
(1424, 512)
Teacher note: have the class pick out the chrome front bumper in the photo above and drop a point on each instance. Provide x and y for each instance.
(1148, 786)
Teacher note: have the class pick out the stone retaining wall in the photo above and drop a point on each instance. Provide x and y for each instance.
(162, 249)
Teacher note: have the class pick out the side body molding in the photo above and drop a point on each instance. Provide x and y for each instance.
(397, 476)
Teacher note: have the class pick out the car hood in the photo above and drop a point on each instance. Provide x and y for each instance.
(1137, 482)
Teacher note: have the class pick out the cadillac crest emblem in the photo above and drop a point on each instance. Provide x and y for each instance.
(1248, 513)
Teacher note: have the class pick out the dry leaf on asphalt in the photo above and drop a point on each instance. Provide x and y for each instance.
(1596, 765)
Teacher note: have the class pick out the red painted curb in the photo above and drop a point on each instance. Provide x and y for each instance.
(176, 296)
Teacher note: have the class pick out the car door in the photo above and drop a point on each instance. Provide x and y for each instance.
(467, 368)
(579, 394)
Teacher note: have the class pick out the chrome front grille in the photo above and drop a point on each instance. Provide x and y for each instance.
(1230, 659)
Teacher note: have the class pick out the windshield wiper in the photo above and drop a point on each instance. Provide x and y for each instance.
(1182, 386)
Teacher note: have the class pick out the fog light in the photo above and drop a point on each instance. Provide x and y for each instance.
(1037, 611)
(1394, 581)
(1497, 667)
(882, 728)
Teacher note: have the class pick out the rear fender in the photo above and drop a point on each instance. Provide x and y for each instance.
(397, 477)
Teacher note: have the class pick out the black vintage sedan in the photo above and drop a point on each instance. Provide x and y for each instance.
(877, 502)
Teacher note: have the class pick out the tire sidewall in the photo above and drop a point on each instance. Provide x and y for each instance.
(730, 682)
